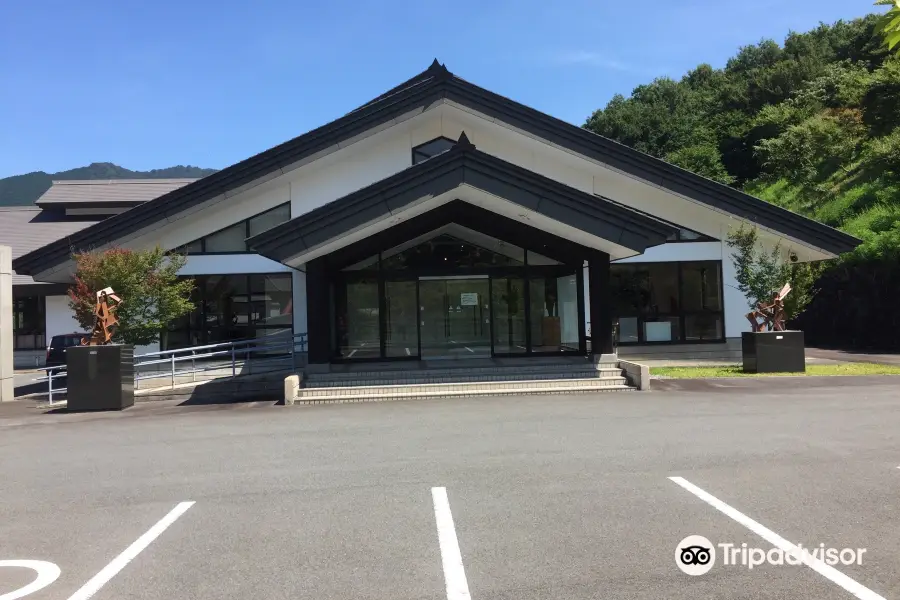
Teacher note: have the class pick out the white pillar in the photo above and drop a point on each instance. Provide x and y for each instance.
(7, 389)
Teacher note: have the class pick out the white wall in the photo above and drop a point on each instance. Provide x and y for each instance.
(60, 318)
(736, 305)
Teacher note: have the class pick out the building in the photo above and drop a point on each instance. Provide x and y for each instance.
(442, 220)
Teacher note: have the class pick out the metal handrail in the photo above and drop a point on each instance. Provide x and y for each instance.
(239, 351)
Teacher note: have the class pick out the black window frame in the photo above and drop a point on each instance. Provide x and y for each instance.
(681, 314)
(424, 157)
(39, 303)
(524, 272)
(244, 222)
(200, 299)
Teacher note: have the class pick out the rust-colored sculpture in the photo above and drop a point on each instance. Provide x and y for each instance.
(772, 315)
(104, 318)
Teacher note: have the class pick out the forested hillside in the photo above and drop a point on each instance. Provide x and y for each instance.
(21, 190)
(812, 125)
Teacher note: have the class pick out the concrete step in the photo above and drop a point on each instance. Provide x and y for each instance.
(431, 376)
(363, 373)
(507, 387)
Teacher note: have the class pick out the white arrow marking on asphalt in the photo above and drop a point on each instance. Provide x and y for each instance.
(454, 573)
(47, 573)
(827, 571)
(121, 561)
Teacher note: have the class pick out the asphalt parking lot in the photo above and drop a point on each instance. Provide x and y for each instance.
(570, 497)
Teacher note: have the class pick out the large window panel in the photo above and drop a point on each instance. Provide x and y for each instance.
(703, 327)
(232, 239)
(668, 302)
(271, 301)
(663, 288)
(358, 310)
(508, 297)
(233, 307)
(270, 219)
(554, 313)
(702, 286)
(29, 323)
(227, 240)
(401, 329)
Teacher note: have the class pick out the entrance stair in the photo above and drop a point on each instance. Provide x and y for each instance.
(459, 379)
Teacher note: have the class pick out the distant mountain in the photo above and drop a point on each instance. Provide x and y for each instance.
(22, 190)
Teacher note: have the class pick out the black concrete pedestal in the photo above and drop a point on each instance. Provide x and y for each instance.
(774, 352)
(100, 377)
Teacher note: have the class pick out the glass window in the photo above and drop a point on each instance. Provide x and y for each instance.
(232, 239)
(663, 289)
(554, 313)
(231, 307)
(227, 240)
(668, 302)
(431, 149)
(662, 329)
(508, 297)
(703, 327)
(226, 308)
(445, 251)
(401, 333)
(269, 219)
(29, 323)
(702, 286)
(628, 330)
(358, 324)
(271, 302)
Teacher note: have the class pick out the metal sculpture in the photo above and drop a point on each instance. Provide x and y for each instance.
(104, 318)
(772, 315)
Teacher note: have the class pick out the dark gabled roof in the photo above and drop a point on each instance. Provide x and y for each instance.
(26, 228)
(432, 85)
(107, 192)
(462, 164)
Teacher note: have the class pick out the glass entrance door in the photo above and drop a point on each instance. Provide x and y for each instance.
(454, 318)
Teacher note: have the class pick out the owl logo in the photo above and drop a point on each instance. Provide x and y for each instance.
(695, 555)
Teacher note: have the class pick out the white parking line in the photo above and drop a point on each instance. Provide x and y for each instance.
(829, 572)
(122, 560)
(454, 573)
(47, 573)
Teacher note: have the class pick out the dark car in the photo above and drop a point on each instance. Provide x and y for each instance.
(56, 351)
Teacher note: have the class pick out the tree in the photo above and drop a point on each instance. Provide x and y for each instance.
(703, 159)
(889, 25)
(761, 274)
(147, 282)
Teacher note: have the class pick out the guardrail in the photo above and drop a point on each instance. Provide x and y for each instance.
(271, 350)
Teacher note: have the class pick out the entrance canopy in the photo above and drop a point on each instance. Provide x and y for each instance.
(504, 192)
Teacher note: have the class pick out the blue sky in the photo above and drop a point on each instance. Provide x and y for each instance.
(154, 84)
